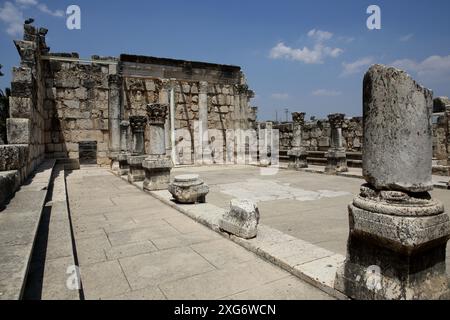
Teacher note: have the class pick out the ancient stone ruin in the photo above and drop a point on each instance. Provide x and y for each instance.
(398, 233)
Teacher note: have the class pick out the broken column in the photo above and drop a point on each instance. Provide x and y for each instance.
(241, 220)
(115, 85)
(124, 153)
(398, 233)
(297, 154)
(136, 171)
(158, 164)
(188, 188)
(336, 156)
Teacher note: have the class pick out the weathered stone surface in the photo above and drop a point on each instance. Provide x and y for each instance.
(157, 172)
(18, 130)
(241, 220)
(13, 157)
(398, 233)
(440, 103)
(9, 183)
(188, 188)
(136, 171)
(397, 131)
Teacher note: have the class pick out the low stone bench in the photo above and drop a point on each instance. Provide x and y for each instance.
(188, 188)
(19, 223)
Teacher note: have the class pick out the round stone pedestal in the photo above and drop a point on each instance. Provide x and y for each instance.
(396, 247)
(188, 188)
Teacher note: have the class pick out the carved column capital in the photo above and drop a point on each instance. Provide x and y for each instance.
(298, 118)
(157, 113)
(336, 120)
(203, 87)
(137, 123)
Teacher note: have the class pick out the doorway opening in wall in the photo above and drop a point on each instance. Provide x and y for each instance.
(87, 152)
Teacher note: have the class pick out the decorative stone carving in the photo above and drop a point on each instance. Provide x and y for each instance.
(336, 155)
(398, 233)
(189, 188)
(157, 113)
(241, 220)
(297, 154)
(157, 165)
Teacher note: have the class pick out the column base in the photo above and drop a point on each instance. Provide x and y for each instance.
(188, 188)
(136, 171)
(297, 159)
(336, 162)
(113, 156)
(124, 168)
(157, 172)
(396, 248)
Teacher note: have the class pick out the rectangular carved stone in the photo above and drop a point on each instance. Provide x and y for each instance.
(20, 107)
(13, 157)
(18, 130)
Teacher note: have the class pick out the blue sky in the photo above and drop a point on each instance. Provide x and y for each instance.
(303, 55)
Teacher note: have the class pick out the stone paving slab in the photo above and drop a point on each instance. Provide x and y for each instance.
(19, 223)
(164, 251)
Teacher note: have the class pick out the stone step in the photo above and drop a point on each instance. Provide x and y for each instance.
(19, 223)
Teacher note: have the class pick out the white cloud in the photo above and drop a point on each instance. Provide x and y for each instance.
(407, 37)
(431, 67)
(45, 9)
(12, 17)
(27, 2)
(314, 55)
(280, 96)
(326, 93)
(356, 66)
(320, 35)
(12, 14)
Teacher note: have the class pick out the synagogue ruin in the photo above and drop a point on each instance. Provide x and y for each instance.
(173, 128)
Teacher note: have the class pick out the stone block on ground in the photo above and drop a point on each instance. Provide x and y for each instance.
(189, 188)
(241, 220)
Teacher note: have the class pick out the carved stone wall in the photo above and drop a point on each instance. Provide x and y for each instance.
(316, 135)
(76, 104)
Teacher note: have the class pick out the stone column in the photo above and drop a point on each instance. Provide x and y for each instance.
(336, 156)
(203, 121)
(447, 114)
(297, 154)
(124, 152)
(265, 145)
(158, 164)
(398, 233)
(136, 171)
(115, 84)
(164, 99)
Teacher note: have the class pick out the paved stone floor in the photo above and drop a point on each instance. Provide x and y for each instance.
(308, 206)
(132, 246)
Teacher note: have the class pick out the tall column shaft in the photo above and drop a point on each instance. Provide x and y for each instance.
(297, 154)
(336, 155)
(114, 100)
